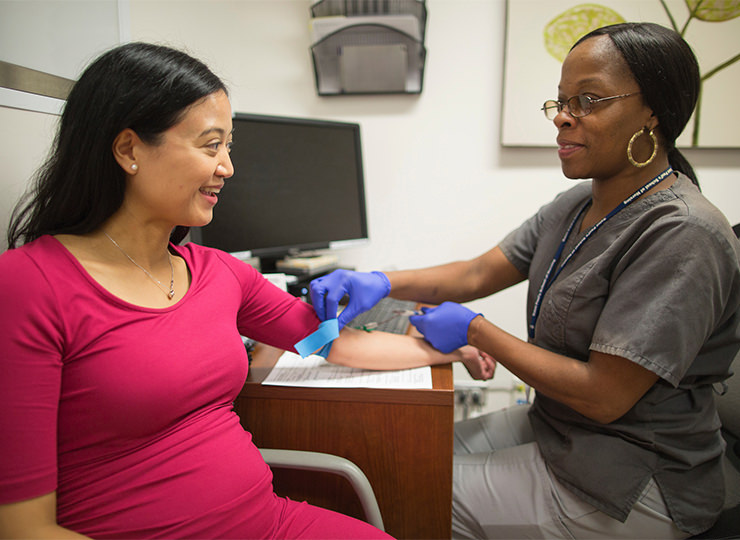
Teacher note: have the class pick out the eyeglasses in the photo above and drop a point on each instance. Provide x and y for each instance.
(578, 106)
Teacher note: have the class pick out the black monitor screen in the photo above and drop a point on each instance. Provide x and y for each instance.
(297, 185)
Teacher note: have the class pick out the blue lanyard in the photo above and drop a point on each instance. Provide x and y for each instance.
(550, 277)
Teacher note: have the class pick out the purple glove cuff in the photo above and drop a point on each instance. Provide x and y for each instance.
(387, 282)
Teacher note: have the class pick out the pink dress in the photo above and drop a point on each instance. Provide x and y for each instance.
(127, 411)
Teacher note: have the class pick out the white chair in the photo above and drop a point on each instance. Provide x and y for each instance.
(320, 462)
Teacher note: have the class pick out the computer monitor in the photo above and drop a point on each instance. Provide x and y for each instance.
(298, 186)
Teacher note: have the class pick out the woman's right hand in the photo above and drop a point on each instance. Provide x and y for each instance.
(479, 364)
(365, 289)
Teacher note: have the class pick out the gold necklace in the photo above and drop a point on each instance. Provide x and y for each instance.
(169, 293)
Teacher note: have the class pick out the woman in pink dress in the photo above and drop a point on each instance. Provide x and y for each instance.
(121, 352)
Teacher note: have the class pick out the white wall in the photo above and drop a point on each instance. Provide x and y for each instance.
(439, 186)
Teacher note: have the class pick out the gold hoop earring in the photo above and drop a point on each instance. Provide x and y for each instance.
(632, 141)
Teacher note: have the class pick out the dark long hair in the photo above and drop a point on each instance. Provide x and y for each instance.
(667, 72)
(140, 86)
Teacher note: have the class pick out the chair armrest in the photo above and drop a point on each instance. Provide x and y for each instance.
(317, 461)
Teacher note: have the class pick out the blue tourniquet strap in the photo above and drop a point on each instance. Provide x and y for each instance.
(321, 339)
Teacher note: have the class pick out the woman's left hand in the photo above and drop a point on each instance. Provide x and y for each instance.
(444, 326)
(479, 364)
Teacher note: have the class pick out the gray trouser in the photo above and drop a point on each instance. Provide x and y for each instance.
(502, 488)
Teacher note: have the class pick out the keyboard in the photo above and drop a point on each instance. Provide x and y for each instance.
(383, 313)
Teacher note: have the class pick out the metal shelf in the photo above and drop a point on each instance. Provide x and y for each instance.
(368, 46)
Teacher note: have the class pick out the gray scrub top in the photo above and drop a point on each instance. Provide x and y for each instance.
(657, 284)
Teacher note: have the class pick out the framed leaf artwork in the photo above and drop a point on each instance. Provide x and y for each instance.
(539, 34)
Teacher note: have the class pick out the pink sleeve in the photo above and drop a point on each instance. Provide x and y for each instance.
(30, 364)
(268, 314)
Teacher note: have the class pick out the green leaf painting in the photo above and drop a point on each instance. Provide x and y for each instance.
(712, 10)
(567, 27)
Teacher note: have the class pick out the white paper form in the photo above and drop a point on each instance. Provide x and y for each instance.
(313, 371)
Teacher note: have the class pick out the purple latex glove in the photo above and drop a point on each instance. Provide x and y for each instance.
(365, 289)
(444, 326)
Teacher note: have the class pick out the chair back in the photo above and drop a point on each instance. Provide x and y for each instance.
(728, 408)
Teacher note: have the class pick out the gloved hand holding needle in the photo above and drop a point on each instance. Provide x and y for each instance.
(444, 326)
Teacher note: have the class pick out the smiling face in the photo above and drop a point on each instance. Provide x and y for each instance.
(595, 146)
(178, 179)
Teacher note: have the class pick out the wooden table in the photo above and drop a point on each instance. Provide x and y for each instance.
(401, 439)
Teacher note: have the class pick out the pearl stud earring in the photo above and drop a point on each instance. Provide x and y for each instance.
(134, 167)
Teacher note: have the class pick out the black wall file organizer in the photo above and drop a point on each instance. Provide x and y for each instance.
(368, 46)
